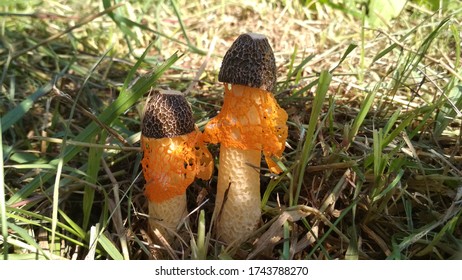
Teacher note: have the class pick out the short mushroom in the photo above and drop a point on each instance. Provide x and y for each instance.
(249, 123)
(173, 155)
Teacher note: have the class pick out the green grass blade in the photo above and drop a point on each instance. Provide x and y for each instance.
(199, 245)
(55, 202)
(290, 69)
(353, 249)
(286, 245)
(395, 132)
(449, 111)
(131, 74)
(390, 187)
(456, 34)
(44, 219)
(350, 48)
(120, 21)
(2, 199)
(360, 70)
(385, 52)
(377, 147)
(352, 252)
(87, 204)
(407, 205)
(41, 224)
(321, 92)
(93, 167)
(75, 227)
(184, 31)
(274, 183)
(27, 238)
(297, 70)
(391, 121)
(180, 21)
(109, 247)
(363, 111)
(19, 111)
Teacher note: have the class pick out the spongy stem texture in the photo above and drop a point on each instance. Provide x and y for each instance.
(167, 215)
(238, 193)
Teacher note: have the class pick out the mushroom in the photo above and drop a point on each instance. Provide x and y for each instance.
(249, 123)
(173, 155)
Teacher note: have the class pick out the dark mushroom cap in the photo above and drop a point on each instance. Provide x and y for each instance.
(167, 114)
(249, 62)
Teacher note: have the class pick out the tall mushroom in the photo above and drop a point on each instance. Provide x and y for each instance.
(173, 155)
(249, 123)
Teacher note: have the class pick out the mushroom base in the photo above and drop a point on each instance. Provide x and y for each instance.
(238, 199)
(167, 215)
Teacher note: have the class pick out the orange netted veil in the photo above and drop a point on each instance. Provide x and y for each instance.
(250, 119)
(171, 164)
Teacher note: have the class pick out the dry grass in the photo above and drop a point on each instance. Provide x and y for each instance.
(374, 180)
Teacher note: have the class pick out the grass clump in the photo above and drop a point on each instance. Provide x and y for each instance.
(372, 167)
